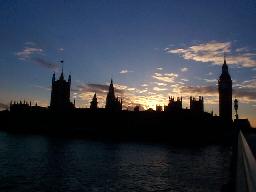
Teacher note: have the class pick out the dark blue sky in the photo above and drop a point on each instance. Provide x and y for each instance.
(128, 40)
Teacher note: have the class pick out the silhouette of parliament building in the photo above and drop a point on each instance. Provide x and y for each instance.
(197, 105)
(60, 99)
(171, 122)
(174, 105)
(60, 95)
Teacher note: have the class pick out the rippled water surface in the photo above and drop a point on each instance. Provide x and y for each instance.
(41, 163)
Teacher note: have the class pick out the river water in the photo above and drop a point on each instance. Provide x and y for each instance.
(44, 163)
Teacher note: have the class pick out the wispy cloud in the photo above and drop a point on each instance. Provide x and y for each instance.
(184, 69)
(3, 106)
(44, 63)
(159, 68)
(35, 55)
(212, 52)
(124, 71)
(160, 84)
(30, 43)
(95, 88)
(167, 77)
(61, 49)
(41, 87)
(28, 52)
(211, 80)
(242, 49)
(159, 89)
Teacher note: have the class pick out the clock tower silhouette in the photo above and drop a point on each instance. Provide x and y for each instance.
(225, 93)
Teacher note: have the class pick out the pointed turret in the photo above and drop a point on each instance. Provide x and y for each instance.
(61, 75)
(69, 79)
(94, 102)
(53, 78)
(112, 103)
(225, 67)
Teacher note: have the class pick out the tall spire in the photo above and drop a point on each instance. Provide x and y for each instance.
(53, 77)
(62, 76)
(111, 86)
(225, 57)
(62, 64)
(69, 78)
(225, 66)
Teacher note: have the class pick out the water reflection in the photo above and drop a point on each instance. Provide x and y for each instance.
(37, 163)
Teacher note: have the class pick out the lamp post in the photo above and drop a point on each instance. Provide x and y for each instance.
(236, 107)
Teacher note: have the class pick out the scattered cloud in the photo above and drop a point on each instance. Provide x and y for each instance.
(167, 77)
(34, 54)
(131, 89)
(4, 106)
(184, 69)
(96, 88)
(210, 73)
(245, 95)
(159, 89)
(159, 68)
(212, 52)
(199, 90)
(144, 85)
(27, 52)
(243, 49)
(211, 80)
(61, 49)
(124, 71)
(160, 84)
(30, 43)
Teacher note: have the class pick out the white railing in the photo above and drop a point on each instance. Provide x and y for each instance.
(246, 167)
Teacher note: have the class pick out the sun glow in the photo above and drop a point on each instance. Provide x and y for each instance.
(153, 103)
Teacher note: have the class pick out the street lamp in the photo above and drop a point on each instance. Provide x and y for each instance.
(236, 107)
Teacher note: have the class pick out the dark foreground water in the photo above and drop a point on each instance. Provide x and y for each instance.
(40, 163)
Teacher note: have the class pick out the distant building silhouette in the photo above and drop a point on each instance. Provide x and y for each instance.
(174, 105)
(197, 105)
(60, 95)
(159, 108)
(94, 103)
(25, 107)
(137, 108)
(225, 93)
(113, 103)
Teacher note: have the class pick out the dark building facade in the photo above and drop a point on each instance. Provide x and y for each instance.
(159, 108)
(197, 105)
(113, 103)
(60, 95)
(174, 105)
(25, 107)
(225, 93)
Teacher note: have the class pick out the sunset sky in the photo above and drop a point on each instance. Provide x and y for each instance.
(151, 48)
